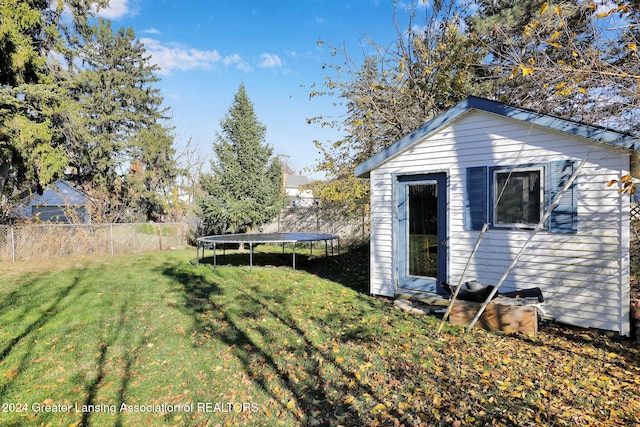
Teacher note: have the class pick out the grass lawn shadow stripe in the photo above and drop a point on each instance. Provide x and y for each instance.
(321, 401)
(47, 314)
(91, 390)
(235, 315)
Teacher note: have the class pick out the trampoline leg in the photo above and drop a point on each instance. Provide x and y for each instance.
(214, 257)
(250, 256)
(294, 255)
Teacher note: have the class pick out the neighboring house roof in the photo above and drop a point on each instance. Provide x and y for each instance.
(55, 204)
(597, 133)
(295, 181)
(60, 193)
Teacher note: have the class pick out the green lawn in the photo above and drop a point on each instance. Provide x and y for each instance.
(152, 340)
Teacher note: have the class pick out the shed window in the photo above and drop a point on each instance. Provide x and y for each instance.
(517, 197)
(528, 191)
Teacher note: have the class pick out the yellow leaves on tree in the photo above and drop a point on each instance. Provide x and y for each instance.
(606, 13)
(349, 191)
(524, 69)
(545, 7)
(628, 183)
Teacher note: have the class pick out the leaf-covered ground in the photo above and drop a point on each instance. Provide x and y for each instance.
(153, 340)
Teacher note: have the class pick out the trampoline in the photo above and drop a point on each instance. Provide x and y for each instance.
(210, 242)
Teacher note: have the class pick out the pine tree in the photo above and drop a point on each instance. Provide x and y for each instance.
(116, 98)
(152, 176)
(118, 146)
(244, 190)
(32, 97)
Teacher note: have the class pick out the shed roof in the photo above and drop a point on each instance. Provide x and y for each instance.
(596, 133)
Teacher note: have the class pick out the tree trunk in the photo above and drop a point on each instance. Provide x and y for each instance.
(5, 167)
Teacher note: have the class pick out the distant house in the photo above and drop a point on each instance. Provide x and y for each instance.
(298, 197)
(484, 162)
(60, 203)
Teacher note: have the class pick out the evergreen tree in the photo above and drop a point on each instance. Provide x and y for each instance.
(116, 99)
(32, 96)
(245, 188)
(118, 144)
(152, 176)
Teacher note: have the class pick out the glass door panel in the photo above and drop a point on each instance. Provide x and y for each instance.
(421, 232)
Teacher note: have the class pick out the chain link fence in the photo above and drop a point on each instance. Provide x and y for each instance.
(27, 242)
(24, 242)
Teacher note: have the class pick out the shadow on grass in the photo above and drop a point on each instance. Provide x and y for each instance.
(197, 288)
(26, 294)
(260, 259)
(261, 326)
(316, 392)
(119, 334)
(130, 358)
(23, 297)
(350, 268)
(259, 346)
(38, 299)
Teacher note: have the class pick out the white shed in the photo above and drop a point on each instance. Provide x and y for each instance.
(487, 162)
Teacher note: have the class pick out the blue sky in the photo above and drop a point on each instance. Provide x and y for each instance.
(206, 49)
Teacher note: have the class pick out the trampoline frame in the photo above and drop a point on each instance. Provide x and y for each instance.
(208, 242)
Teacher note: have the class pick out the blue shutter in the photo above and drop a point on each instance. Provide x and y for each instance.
(564, 218)
(476, 212)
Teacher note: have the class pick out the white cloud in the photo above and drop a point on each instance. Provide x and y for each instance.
(239, 63)
(151, 31)
(175, 56)
(270, 60)
(178, 57)
(116, 9)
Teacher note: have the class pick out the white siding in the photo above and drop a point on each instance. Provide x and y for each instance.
(584, 277)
